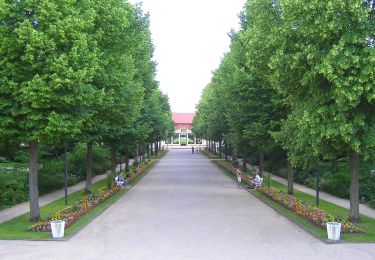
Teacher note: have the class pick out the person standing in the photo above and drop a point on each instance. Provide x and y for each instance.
(239, 177)
(192, 149)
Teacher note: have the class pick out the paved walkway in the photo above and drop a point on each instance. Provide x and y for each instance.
(24, 207)
(187, 208)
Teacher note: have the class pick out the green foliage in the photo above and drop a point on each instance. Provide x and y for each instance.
(109, 181)
(77, 161)
(13, 188)
(14, 181)
(296, 75)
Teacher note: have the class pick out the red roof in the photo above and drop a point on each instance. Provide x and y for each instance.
(183, 118)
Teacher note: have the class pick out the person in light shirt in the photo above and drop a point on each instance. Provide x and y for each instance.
(254, 181)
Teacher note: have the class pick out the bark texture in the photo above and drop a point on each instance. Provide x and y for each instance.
(354, 187)
(89, 167)
(33, 182)
(289, 173)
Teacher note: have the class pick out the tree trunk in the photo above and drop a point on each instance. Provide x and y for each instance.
(354, 187)
(113, 159)
(89, 168)
(33, 182)
(226, 151)
(289, 173)
(244, 163)
(261, 160)
(220, 149)
(127, 169)
(152, 149)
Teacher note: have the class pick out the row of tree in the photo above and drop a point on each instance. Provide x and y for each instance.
(78, 71)
(299, 75)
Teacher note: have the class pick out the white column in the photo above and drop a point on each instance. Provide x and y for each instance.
(187, 139)
(179, 138)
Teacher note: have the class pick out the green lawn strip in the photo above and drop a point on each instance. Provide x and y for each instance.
(368, 224)
(17, 228)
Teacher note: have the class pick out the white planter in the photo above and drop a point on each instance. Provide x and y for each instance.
(57, 228)
(333, 230)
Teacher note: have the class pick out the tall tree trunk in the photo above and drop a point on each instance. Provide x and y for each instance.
(261, 161)
(33, 182)
(127, 169)
(89, 168)
(220, 149)
(136, 160)
(226, 151)
(152, 148)
(354, 187)
(289, 173)
(113, 159)
(244, 163)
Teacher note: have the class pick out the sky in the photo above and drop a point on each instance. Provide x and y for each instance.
(190, 38)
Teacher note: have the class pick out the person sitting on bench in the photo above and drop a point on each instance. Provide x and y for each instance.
(120, 181)
(255, 181)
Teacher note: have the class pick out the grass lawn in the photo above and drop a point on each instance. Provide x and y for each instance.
(17, 228)
(367, 223)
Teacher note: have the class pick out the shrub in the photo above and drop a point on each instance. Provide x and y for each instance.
(372, 203)
(21, 155)
(367, 189)
(77, 160)
(338, 185)
(51, 177)
(13, 188)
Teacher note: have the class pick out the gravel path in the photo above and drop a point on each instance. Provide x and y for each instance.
(187, 208)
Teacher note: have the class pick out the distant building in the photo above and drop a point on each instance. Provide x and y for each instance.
(183, 123)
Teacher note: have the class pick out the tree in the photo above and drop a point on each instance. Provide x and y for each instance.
(333, 100)
(116, 35)
(46, 64)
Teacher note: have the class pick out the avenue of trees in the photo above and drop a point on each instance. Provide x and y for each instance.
(78, 72)
(300, 78)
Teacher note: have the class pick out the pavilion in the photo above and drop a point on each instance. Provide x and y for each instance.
(183, 124)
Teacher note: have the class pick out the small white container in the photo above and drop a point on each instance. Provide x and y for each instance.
(57, 228)
(333, 230)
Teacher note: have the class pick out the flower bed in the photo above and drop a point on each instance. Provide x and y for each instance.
(88, 202)
(315, 215)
